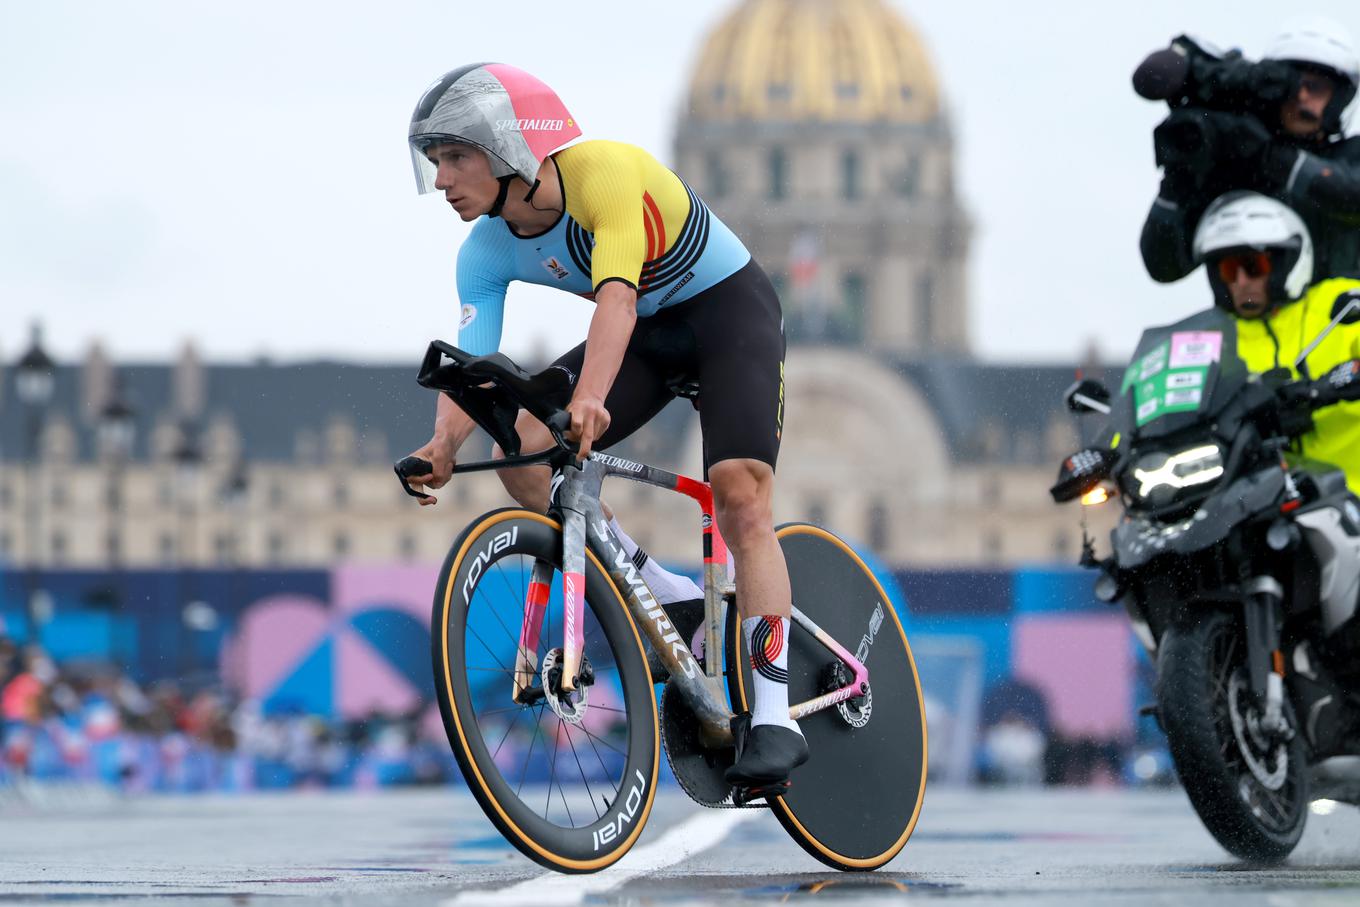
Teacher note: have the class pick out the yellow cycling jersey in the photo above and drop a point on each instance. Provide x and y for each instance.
(610, 188)
(1276, 341)
(627, 218)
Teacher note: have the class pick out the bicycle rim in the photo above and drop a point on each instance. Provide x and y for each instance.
(572, 791)
(855, 803)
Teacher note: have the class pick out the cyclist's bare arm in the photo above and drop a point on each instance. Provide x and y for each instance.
(610, 329)
(452, 427)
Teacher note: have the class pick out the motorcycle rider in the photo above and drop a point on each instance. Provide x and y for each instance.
(1304, 159)
(1258, 256)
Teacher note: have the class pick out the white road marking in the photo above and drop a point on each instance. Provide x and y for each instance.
(705, 830)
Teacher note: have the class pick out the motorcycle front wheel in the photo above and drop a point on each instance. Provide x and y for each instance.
(1250, 790)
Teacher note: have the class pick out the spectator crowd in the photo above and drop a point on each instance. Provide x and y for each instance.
(90, 722)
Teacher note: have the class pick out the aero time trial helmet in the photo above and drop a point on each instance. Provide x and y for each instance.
(512, 116)
(1249, 221)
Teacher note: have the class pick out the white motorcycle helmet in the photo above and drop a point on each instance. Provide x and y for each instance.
(1248, 221)
(1324, 44)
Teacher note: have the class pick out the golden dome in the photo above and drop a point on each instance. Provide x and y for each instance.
(826, 60)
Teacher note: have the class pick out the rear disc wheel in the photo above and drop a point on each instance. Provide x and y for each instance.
(854, 804)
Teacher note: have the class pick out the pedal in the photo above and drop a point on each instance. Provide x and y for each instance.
(744, 796)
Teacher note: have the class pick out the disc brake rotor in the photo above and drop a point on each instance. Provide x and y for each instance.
(856, 710)
(569, 706)
(1254, 745)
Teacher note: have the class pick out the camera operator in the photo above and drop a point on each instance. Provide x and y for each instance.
(1274, 127)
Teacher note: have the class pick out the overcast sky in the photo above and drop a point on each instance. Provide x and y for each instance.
(237, 173)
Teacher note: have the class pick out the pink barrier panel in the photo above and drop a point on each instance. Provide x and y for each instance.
(1084, 665)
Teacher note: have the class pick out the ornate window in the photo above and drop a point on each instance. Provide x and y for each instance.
(717, 175)
(925, 307)
(777, 164)
(850, 174)
(854, 305)
(909, 178)
(278, 547)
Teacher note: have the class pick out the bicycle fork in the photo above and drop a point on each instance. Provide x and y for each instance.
(535, 607)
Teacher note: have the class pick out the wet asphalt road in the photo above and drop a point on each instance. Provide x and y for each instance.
(434, 847)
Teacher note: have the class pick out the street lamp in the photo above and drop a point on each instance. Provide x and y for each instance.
(34, 378)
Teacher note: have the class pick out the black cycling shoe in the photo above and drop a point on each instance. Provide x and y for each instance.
(686, 617)
(766, 753)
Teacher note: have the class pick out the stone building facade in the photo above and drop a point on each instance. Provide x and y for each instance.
(817, 131)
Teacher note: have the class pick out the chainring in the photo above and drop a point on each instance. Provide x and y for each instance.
(698, 769)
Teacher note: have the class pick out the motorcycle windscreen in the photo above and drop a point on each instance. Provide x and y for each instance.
(1181, 374)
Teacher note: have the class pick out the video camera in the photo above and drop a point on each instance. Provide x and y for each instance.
(1197, 82)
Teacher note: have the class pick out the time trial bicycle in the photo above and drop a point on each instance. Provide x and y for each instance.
(542, 634)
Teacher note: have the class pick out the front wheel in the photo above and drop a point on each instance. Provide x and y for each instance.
(567, 777)
(854, 804)
(1250, 790)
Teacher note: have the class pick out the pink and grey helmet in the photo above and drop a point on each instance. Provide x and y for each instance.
(512, 116)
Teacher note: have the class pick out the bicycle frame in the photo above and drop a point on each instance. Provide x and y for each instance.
(576, 497)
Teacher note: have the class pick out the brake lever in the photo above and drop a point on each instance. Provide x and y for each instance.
(412, 466)
(559, 423)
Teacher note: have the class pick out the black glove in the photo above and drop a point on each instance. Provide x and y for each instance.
(1297, 402)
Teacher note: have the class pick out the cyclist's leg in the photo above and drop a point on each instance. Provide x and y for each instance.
(741, 387)
(639, 393)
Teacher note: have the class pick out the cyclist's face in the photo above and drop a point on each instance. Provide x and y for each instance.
(1301, 115)
(464, 176)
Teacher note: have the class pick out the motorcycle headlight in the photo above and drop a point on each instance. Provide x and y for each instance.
(1162, 474)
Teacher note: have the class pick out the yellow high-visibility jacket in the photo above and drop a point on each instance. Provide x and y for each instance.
(1277, 340)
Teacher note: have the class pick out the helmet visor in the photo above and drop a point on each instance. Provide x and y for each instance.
(425, 169)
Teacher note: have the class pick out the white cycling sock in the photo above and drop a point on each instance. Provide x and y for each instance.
(666, 586)
(767, 639)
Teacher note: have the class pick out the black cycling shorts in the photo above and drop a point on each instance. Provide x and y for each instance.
(730, 338)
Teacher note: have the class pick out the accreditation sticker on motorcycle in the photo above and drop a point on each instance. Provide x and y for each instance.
(1238, 563)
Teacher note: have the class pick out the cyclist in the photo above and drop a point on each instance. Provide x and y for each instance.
(676, 294)
(1259, 259)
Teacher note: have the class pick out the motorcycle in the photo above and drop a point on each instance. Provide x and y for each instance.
(1238, 563)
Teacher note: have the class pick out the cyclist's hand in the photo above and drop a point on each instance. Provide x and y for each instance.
(440, 456)
(589, 420)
